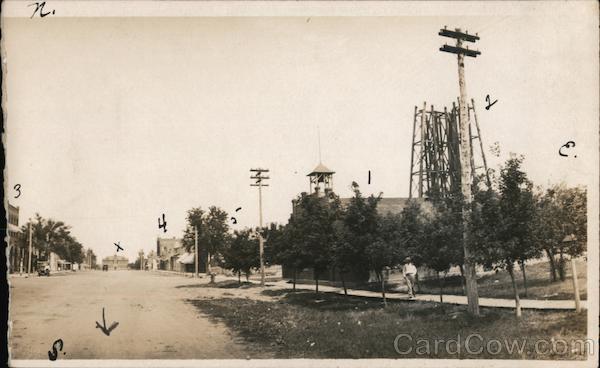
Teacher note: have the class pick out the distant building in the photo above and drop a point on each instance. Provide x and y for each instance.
(172, 256)
(116, 262)
(56, 263)
(18, 256)
(168, 251)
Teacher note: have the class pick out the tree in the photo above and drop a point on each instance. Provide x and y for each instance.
(216, 231)
(274, 242)
(49, 235)
(287, 249)
(561, 212)
(195, 219)
(135, 265)
(241, 253)
(411, 233)
(311, 231)
(547, 228)
(213, 231)
(383, 252)
(503, 224)
(355, 231)
(442, 243)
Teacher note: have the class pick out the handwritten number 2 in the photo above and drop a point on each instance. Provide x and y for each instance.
(487, 99)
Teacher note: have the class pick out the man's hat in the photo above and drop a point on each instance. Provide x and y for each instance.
(407, 259)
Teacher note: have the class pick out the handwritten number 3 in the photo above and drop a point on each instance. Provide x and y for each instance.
(17, 187)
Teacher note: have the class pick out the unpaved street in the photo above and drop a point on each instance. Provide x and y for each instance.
(154, 320)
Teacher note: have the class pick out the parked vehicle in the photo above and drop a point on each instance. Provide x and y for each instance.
(43, 269)
(104, 267)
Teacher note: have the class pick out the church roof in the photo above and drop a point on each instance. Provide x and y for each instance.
(321, 169)
(394, 205)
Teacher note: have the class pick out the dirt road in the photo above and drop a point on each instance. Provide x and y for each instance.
(154, 320)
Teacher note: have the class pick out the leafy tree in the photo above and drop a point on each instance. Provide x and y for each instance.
(195, 219)
(411, 233)
(311, 231)
(213, 232)
(49, 235)
(287, 249)
(241, 254)
(216, 231)
(354, 232)
(547, 228)
(383, 253)
(561, 212)
(442, 244)
(504, 222)
(135, 265)
(274, 241)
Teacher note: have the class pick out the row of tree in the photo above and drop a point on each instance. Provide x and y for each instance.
(512, 222)
(48, 235)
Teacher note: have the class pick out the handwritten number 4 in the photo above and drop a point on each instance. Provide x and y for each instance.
(40, 7)
(487, 99)
(163, 225)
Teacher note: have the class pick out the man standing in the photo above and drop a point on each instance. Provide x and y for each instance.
(410, 273)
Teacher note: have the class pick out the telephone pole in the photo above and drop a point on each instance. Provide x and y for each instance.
(259, 183)
(465, 160)
(29, 261)
(196, 250)
(141, 260)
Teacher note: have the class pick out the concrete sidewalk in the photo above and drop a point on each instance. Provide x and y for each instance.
(449, 299)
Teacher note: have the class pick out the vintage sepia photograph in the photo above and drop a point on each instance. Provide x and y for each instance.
(303, 184)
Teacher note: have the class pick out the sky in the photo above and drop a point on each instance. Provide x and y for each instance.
(112, 122)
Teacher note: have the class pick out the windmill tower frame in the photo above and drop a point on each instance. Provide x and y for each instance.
(435, 153)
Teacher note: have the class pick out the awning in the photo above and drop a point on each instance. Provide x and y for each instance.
(186, 258)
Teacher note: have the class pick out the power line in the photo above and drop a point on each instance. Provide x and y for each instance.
(259, 178)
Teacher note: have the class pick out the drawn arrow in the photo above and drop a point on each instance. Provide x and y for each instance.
(103, 327)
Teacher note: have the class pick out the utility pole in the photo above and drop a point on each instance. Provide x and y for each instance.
(196, 250)
(259, 183)
(29, 261)
(465, 160)
(141, 260)
(22, 254)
